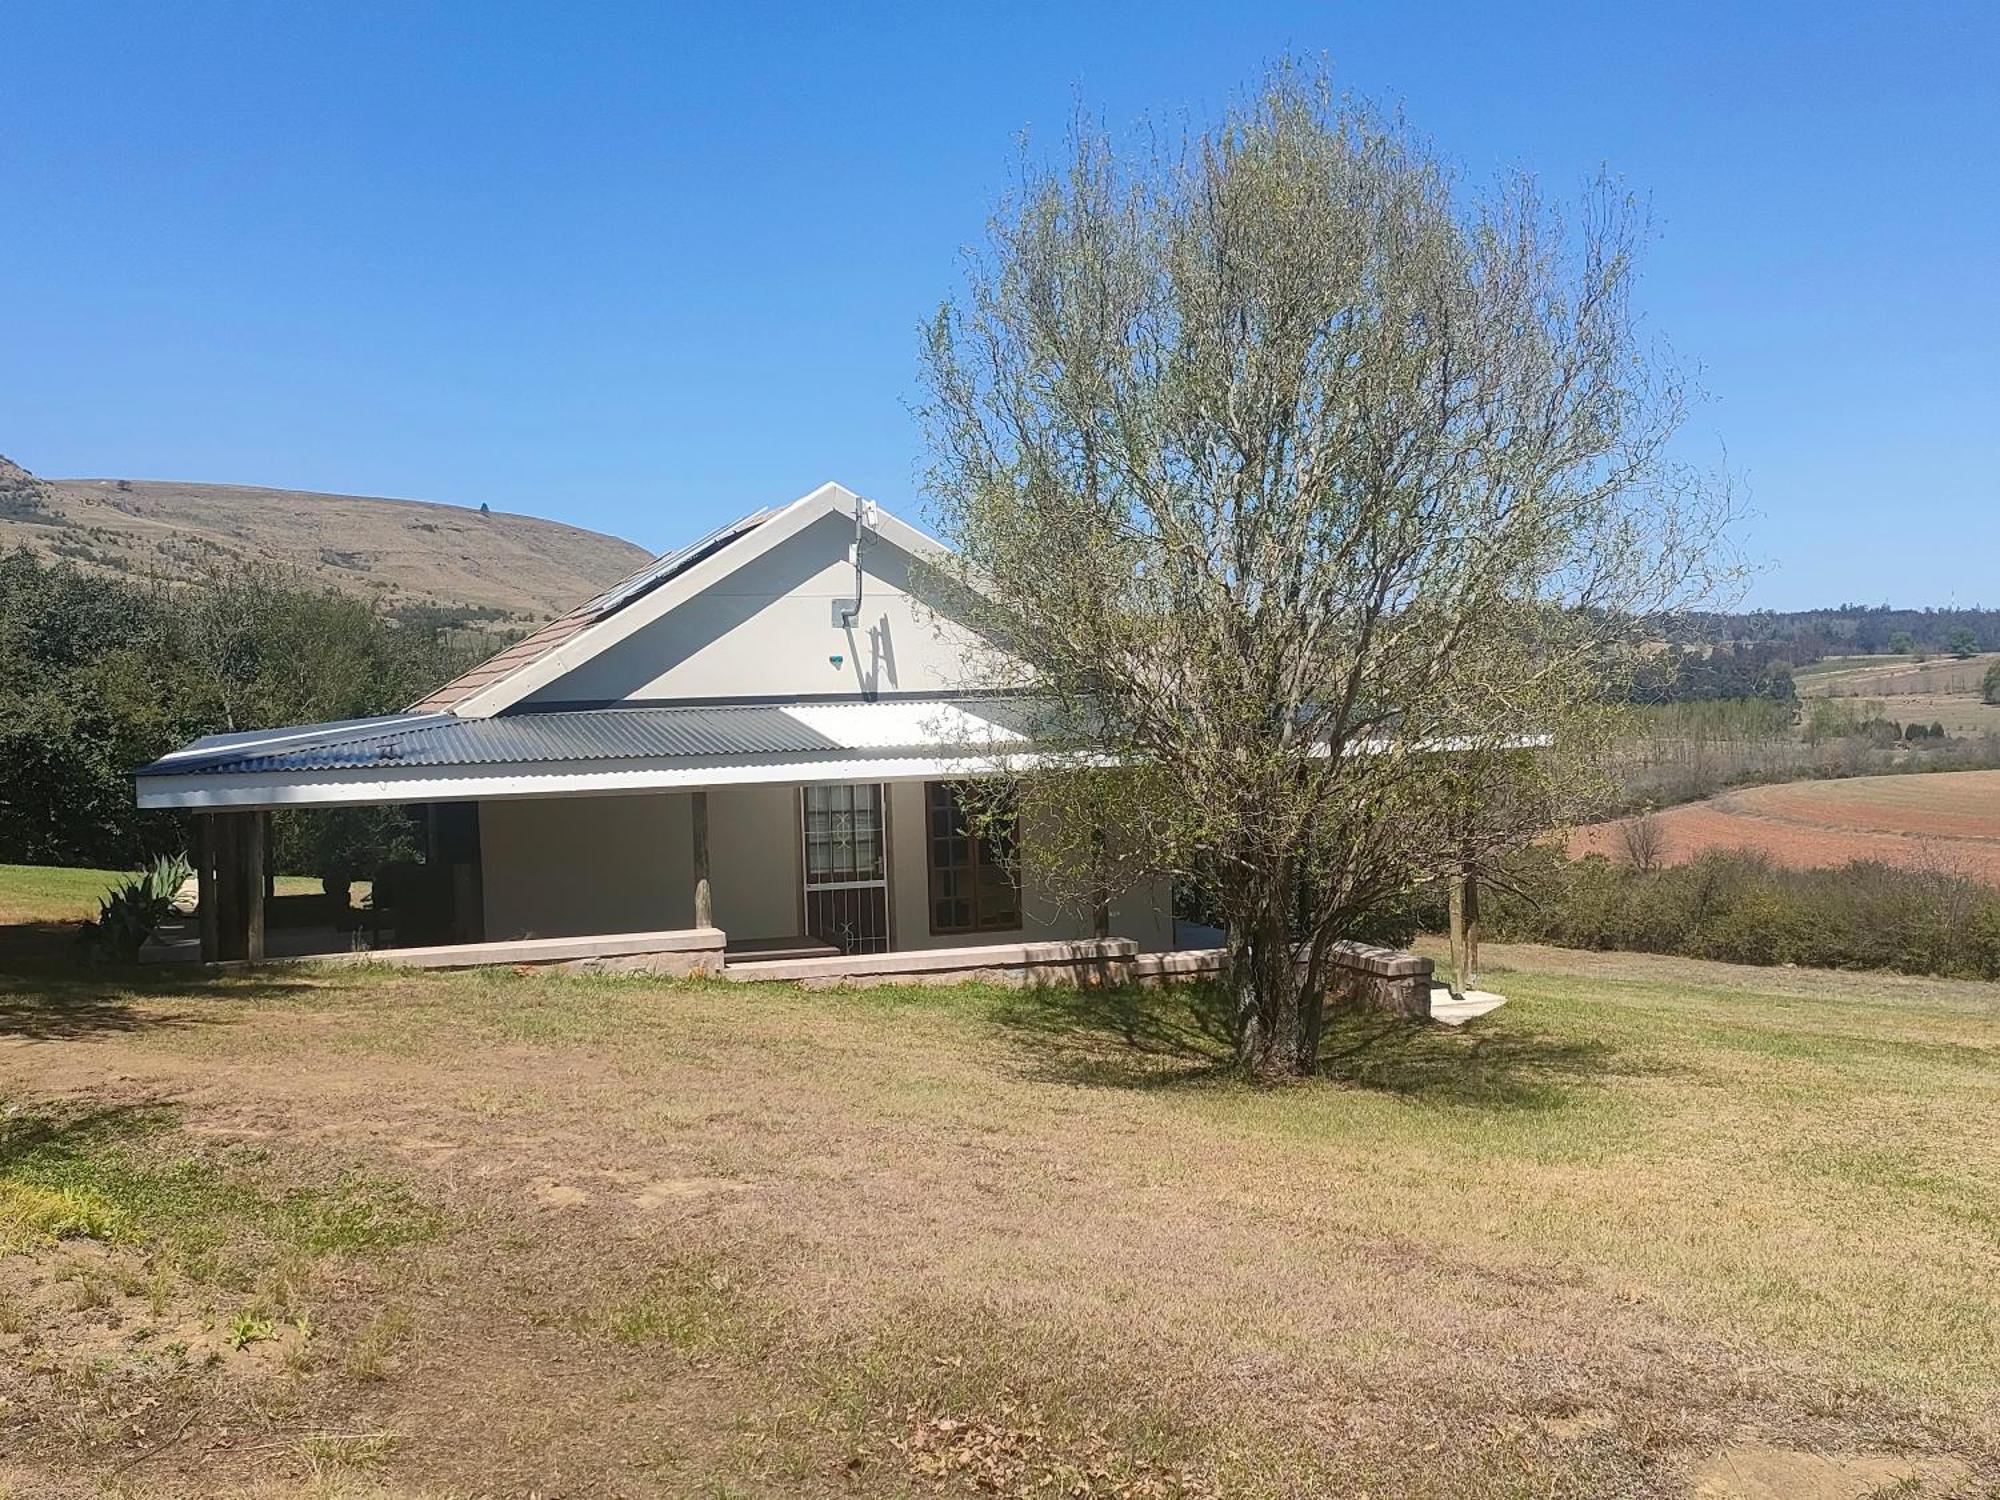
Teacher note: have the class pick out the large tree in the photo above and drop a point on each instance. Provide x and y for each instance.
(1315, 492)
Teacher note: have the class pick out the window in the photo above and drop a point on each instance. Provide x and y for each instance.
(846, 892)
(973, 887)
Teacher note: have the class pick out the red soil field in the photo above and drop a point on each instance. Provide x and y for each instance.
(1948, 820)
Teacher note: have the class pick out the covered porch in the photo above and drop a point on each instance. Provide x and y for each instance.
(685, 840)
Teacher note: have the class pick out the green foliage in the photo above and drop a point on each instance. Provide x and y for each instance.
(1724, 671)
(1741, 908)
(99, 675)
(1962, 642)
(131, 910)
(1277, 461)
(1989, 687)
(1846, 629)
(245, 1330)
(341, 843)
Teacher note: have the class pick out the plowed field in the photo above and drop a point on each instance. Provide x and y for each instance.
(1949, 819)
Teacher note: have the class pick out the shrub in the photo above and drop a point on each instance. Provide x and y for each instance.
(130, 911)
(1741, 908)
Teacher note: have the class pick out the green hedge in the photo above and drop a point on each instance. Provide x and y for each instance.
(1741, 908)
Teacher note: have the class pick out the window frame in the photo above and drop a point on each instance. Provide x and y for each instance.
(979, 860)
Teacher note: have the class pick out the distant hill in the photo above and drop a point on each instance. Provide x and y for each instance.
(408, 554)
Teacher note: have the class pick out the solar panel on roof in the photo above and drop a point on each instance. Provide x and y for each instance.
(672, 564)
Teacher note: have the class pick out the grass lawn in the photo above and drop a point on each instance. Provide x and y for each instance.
(51, 893)
(40, 905)
(1654, 1228)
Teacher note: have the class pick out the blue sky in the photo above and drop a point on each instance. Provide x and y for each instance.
(641, 267)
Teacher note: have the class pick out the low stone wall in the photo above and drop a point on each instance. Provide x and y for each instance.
(1385, 977)
(1091, 962)
(1388, 978)
(679, 953)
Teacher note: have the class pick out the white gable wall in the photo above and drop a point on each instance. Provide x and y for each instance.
(768, 629)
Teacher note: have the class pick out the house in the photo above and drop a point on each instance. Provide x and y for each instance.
(750, 753)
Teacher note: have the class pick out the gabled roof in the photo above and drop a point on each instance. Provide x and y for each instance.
(503, 680)
(533, 646)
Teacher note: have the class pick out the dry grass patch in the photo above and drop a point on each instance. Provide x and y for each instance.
(724, 1239)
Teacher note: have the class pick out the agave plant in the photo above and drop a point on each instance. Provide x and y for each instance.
(129, 911)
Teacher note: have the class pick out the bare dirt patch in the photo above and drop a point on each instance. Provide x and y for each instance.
(1757, 1472)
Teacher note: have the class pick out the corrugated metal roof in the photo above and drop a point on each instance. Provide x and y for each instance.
(539, 643)
(729, 731)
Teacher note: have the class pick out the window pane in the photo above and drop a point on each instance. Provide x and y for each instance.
(843, 833)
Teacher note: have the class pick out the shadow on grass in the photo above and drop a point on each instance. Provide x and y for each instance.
(1123, 1036)
(67, 997)
(56, 1138)
(1156, 1038)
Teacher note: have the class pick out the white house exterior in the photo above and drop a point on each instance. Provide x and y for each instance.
(728, 753)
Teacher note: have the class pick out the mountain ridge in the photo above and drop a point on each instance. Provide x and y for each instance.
(404, 554)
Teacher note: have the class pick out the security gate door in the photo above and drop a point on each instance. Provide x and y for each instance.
(846, 867)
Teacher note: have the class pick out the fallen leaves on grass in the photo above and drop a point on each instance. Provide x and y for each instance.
(1013, 1452)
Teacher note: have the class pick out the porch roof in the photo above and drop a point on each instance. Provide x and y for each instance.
(440, 757)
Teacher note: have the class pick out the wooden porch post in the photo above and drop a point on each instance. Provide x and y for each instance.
(207, 897)
(704, 907)
(256, 835)
(227, 846)
(1470, 907)
(1100, 895)
(1464, 929)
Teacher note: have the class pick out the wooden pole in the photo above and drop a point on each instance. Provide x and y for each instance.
(256, 830)
(1469, 903)
(1458, 984)
(704, 907)
(1100, 895)
(207, 898)
(228, 886)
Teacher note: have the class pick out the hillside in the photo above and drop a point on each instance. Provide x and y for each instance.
(405, 553)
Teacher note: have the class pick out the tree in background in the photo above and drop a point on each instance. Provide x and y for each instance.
(1989, 688)
(1311, 491)
(99, 675)
(86, 694)
(1963, 642)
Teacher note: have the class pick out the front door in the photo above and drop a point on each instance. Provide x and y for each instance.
(846, 867)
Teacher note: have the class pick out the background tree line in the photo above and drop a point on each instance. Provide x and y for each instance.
(1847, 629)
(1750, 669)
(100, 675)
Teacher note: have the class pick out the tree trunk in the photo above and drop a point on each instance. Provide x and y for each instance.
(1272, 1042)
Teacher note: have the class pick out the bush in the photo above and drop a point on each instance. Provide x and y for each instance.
(1741, 908)
(130, 911)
